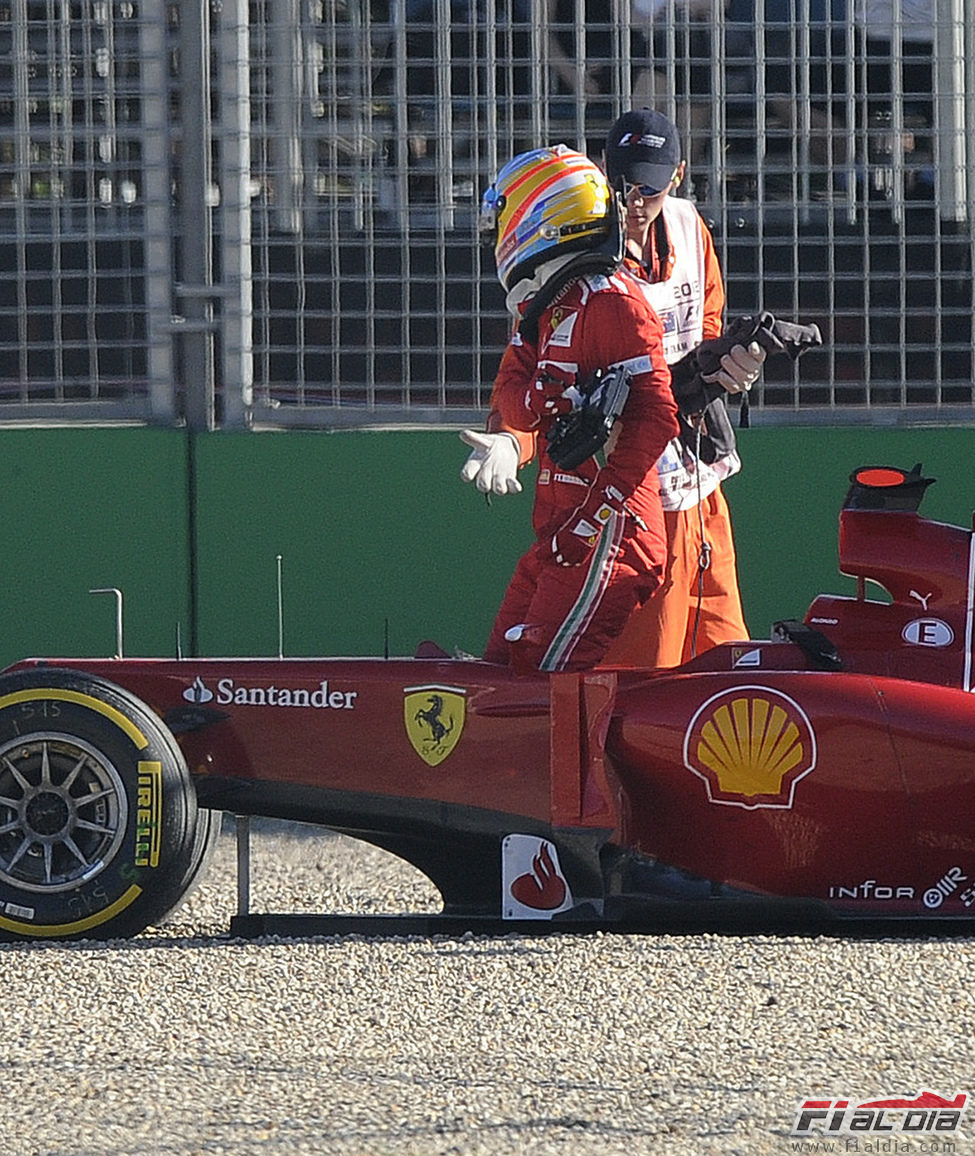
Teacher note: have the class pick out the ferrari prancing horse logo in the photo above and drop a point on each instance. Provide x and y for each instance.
(434, 718)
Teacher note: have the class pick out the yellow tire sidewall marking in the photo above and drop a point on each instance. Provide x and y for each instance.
(103, 708)
(53, 930)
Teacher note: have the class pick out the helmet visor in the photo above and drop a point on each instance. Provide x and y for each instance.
(492, 202)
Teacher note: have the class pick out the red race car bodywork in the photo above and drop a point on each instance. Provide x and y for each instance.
(831, 766)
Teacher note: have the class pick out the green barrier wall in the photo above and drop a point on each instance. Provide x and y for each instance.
(85, 508)
(380, 543)
(371, 527)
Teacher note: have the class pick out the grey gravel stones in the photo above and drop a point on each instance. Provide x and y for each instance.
(185, 1042)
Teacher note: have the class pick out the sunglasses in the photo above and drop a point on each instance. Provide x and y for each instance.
(644, 192)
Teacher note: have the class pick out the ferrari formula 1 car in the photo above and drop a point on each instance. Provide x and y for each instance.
(829, 770)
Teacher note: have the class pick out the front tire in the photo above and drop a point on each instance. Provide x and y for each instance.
(99, 829)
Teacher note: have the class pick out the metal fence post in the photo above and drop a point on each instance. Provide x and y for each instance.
(195, 287)
(157, 199)
(237, 316)
(949, 86)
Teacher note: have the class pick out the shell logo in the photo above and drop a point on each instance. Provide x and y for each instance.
(750, 745)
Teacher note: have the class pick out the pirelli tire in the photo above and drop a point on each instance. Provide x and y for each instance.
(100, 835)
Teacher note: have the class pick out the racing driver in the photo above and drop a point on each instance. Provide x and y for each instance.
(600, 543)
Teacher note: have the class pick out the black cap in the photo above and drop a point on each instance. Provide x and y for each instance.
(643, 147)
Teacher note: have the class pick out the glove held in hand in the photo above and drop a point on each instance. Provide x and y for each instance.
(689, 375)
(739, 368)
(574, 540)
(576, 436)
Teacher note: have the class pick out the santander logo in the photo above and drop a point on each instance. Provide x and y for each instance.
(198, 692)
(230, 692)
(533, 885)
(542, 888)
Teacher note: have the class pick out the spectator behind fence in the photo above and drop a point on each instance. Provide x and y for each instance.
(422, 59)
(785, 56)
(585, 57)
(515, 70)
(793, 77)
(463, 78)
(913, 37)
(679, 68)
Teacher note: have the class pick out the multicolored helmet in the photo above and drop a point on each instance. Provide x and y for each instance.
(543, 203)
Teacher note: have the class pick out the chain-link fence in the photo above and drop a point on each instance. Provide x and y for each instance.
(264, 212)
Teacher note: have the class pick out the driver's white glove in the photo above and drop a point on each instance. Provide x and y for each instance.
(493, 463)
(739, 368)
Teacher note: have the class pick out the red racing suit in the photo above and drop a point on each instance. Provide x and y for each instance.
(564, 618)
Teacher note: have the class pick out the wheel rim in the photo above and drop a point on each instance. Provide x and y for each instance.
(63, 812)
